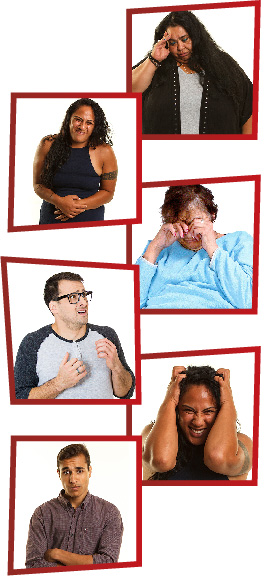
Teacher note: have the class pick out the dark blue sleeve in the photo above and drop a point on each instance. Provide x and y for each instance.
(25, 366)
(110, 333)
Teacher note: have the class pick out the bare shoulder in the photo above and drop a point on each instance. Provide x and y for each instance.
(45, 144)
(106, 154)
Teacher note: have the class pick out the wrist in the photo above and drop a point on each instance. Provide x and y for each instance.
(152, 253)
(210, 249)
(155, 61)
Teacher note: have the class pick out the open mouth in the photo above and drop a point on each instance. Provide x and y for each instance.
(197, 432)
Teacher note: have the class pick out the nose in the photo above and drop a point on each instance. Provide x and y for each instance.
(72, 477)
(83, 301)
(198, 420)
(180, 45)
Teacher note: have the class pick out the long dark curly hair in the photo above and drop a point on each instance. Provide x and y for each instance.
(178, 197)
(61, 143)
(207, 57)
(194, 376)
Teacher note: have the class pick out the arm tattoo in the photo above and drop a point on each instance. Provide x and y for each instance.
(246, 462)
(110, 175)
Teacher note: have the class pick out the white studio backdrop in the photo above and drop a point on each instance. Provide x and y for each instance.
(112, 301)
(223, 24)
(45, 115)
(113, 479)
(235, 202)
(66, 47)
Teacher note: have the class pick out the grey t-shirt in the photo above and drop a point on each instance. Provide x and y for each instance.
(190, 102)
(41, 352)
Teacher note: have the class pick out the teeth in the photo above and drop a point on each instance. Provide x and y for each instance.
(198, 432)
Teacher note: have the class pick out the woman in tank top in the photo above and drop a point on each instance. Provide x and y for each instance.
(75, 171)
(195, 435)
(189, 85)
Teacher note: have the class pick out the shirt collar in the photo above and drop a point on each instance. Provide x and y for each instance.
(66, 503)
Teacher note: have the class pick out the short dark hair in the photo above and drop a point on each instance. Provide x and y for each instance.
(73, 450)
(51, 289)
(178, 197)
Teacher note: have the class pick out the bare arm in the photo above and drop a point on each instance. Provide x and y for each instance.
(143, 74)
(67, 377)
(121, 378)
(225, 451)
(247, 127)
(161, 440)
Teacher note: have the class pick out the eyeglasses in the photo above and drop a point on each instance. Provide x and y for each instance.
(74, 298)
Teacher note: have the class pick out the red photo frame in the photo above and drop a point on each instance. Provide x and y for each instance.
(138, 149)
(138, 502)
(78, 264)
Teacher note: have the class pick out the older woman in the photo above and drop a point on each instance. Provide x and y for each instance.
(75, 171)
(189, 85)
(190, 265)
(195, 434)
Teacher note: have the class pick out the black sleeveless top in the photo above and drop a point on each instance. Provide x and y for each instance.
(196, 470)
(76, 176)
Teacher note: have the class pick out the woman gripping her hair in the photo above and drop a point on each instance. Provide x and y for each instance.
(195, 435)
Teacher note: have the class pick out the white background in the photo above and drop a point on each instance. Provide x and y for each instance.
(204, 534)
(45, 116)
(113, 478)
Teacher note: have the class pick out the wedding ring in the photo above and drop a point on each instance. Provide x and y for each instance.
(78, 370)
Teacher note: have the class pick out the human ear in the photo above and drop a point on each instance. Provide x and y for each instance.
(53, 307)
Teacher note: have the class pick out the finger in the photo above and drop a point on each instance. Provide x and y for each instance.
(170, 228)
(177, 370)
(65, 359)
(179, 229)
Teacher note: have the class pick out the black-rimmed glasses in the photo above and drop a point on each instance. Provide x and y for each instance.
(74, 298)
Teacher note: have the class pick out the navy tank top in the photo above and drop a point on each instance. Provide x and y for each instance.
(77, 176)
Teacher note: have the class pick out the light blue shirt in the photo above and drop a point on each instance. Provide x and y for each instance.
(186, 279)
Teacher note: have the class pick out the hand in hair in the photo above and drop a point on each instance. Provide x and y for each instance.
(167, 235)
(225, 386)
(173, 389)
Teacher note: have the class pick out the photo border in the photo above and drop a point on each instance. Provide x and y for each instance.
(12, 149)
(7, 315)
(256, 400)
(13, 452)
(256, 4)
(256, 235)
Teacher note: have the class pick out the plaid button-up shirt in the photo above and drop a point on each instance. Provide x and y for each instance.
(95, 527)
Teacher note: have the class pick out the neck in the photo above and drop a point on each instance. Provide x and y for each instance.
(68, 331)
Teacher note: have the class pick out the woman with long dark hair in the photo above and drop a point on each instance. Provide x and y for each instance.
(189, 85)
(195, 435)
(75, 171)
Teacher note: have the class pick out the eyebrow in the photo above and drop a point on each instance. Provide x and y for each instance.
(182, 37)
(191, 408)
(79, 117)
(68, 469)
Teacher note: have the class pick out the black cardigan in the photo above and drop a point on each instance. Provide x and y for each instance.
(218, 115)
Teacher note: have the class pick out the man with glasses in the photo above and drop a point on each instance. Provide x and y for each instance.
(71, 359)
